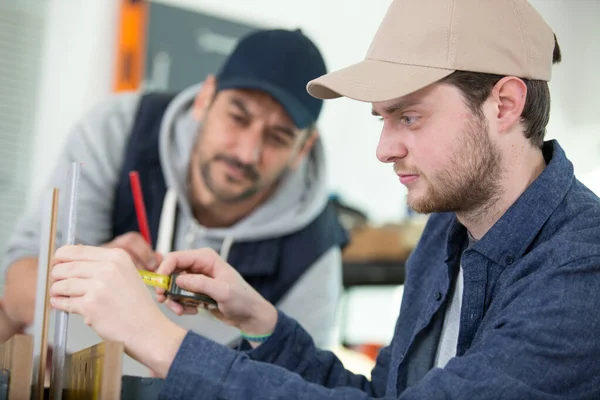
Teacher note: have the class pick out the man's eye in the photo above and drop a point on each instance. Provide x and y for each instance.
(238, 118)
(409, 119)
(278, 141)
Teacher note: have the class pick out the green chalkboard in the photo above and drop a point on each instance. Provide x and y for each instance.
(183, 46)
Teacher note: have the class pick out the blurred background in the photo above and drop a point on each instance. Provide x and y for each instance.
(60, 57)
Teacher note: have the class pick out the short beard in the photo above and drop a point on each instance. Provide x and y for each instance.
(471, 183)
(225, 197)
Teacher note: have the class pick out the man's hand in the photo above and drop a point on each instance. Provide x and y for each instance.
(104, 287)
(21, 277)
(138, 249)
(19, 291)
(203, 271)
(8, 328)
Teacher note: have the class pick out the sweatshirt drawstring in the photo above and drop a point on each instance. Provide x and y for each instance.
(225, 247)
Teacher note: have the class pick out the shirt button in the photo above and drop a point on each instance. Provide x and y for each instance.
(509, 260)
(438, 296)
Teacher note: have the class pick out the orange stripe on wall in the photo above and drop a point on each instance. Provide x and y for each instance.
(131, 45)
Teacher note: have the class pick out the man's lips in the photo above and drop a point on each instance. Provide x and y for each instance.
(235, 172)
(405, 179)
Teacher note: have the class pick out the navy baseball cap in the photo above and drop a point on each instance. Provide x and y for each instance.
(279, 62)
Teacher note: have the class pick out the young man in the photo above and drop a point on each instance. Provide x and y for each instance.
(235, 165)
(501, 297)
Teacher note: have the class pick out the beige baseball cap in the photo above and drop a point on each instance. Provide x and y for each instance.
(421, 41)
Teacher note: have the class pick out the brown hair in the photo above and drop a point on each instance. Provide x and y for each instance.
(476, 88)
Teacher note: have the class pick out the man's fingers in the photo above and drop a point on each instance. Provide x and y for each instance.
(203, 261)
(160, 296)
(82, 253)
(220, 291)
(174, 306)
(72, 287)
(169, 263)
(218, 314)
(139, 264)
(75, 269)
(67, 304)
(190, 310)
(138, 249)
(180, 309)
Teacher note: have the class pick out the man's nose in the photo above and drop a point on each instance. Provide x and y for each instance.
(391, 146)
(249, 147)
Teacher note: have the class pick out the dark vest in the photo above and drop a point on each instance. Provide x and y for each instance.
(271, 266)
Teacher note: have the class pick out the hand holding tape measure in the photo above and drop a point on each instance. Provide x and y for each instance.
(176, 293)
(165, 282)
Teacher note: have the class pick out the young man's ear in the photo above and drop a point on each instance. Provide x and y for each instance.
(309, 141)
(510, 94)
(204, 97)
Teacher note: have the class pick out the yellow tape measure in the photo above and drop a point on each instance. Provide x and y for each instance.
(156, 280)
(176, 293)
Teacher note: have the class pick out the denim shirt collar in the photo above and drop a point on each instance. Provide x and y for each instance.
(514, 232)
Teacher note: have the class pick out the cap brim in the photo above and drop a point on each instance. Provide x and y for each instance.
(374, 81)
(297, 112)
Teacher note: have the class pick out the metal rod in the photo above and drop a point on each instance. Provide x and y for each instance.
(61, 323)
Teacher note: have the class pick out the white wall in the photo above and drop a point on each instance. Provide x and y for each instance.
(77, 70)
(575, 84)
(79, 62)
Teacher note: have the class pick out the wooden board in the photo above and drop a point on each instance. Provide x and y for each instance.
(44, 264)
(94, 372)
(16, 356)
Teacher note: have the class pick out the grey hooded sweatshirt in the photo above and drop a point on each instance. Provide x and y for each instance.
(99, 141)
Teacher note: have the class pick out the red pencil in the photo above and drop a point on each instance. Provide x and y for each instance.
(140, 208)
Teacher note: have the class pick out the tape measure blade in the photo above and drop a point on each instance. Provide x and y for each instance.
(154, 279)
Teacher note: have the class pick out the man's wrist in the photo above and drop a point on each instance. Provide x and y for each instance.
(158, 346)
(263, 324)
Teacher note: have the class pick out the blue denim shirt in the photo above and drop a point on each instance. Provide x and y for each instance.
(529, 325)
